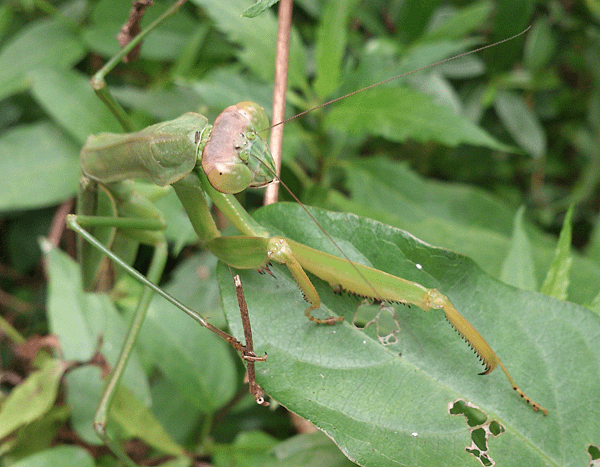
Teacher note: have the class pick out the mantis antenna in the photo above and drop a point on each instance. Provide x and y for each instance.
(366, 88)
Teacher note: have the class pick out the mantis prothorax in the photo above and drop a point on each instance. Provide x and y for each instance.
(199, 159)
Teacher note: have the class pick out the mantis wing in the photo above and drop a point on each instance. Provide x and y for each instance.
(381, 402)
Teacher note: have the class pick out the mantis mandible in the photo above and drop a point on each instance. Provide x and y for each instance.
(199, 160)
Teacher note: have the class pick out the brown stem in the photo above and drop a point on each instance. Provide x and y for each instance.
(279, 91)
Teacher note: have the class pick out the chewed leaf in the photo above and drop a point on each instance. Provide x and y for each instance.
(372, 401)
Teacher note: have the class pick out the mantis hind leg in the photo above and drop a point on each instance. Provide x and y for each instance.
(381, 286)
(434, 299)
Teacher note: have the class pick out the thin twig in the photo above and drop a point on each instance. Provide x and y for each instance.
(279, 91)
(132, 28)
(248, 354)
(58, 221)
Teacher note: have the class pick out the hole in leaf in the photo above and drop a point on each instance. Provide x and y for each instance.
(384, 317)
(480, 430)
(594, 452)
(475, 417)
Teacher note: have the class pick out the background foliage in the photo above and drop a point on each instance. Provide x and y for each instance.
(482, 156)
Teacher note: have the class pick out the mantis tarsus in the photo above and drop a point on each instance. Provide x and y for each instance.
(196, 158)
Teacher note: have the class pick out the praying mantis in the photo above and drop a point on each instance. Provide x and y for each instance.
(196, 165)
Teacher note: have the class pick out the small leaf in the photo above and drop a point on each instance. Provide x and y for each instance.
(466, 20)
(518, 267)
(139, 422)
(258, 8)
(400, 114)
(32, 398)
(522, 124)
(539, 45)
(557, 280)
(331, 45)
(37, 435)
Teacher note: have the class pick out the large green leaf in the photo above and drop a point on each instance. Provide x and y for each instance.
(68, 98)
(390, 405)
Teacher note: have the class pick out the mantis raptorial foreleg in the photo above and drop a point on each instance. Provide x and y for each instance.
(145, 229)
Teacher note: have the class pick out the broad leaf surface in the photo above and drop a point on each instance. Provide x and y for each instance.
(389, 405)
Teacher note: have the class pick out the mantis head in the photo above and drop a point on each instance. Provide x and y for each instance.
(235, 157)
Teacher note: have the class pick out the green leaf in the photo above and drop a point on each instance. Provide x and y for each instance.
(540, 45)
(522, 124)
(251, 35)
(258, 8)
(39, 166)
(58, 456)
(518, 268)
(510, 18)
(37, 435)
(399, 114)
(412, 18)
(41, 43)
(309, 450)
(595, 304)
(256, 448)
(331, 45)
(389, 404)
(140, 423)
(79, 320)
(32, 398)
(68, 98)
(466, 20)
(557, 280)
(198, 363)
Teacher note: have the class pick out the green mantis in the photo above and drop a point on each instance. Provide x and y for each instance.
(198, 160)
